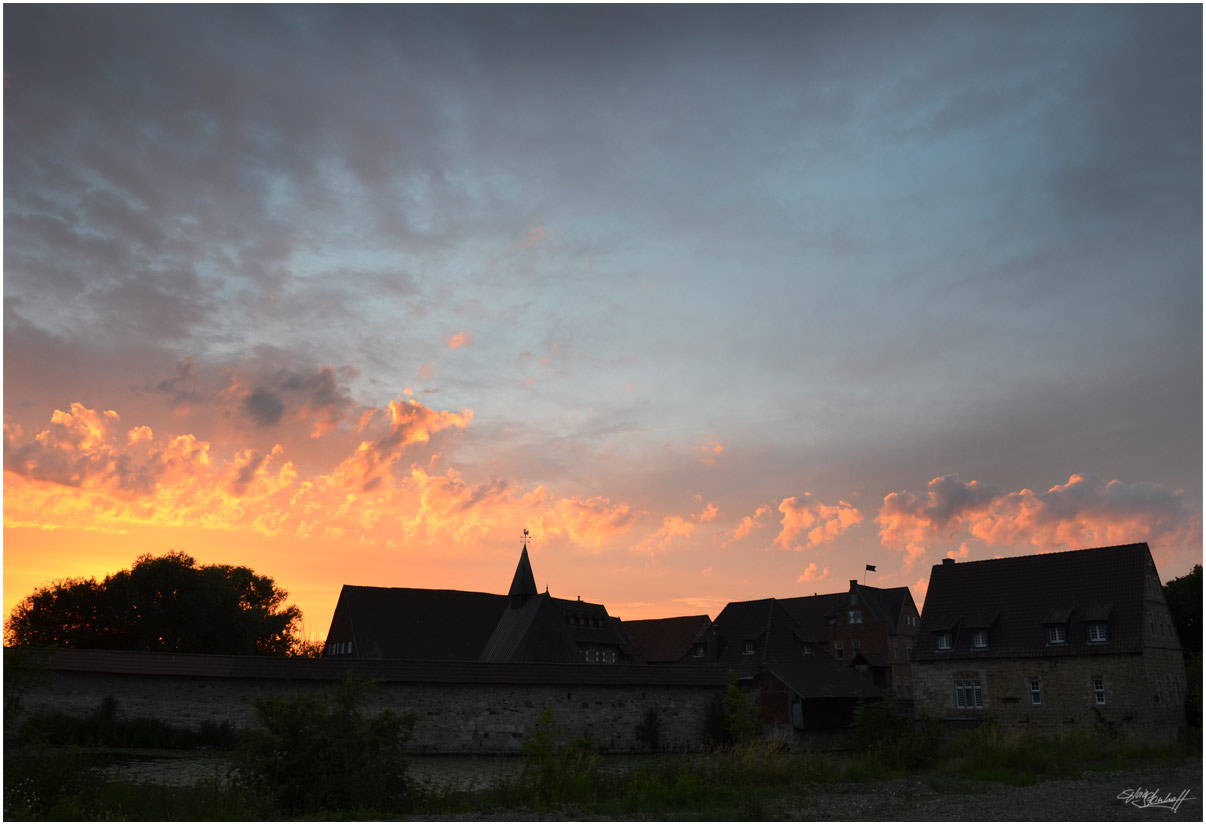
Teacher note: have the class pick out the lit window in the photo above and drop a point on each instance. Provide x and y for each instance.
(1036, 692)
(1097, 632)
(944, 641)
(968, 695)
(980, 638)
(1099, 691)
(1056, 635)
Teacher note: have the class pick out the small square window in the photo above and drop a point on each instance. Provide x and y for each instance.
(944, 641)
(609, 656)
(699, 651)
(980, 638)
(856, 617)
(748, 649)
(1056, 635)
(1097, 632)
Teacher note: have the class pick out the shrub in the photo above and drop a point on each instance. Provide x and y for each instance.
(649, 730)
(555, 773)
(325, 755)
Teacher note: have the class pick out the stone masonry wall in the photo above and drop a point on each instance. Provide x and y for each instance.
(462, 719)
(1134, 698)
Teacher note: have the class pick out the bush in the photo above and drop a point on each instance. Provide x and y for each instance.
(649, 730)
(324, 755)
(102, 728)
(555, 773)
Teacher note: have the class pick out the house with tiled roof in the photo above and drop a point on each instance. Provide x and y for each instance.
(454, 625)
(1053, 641)
(677, 639)
(799, 686)
(872, 629)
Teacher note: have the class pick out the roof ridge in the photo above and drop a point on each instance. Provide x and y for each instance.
(1135, 544)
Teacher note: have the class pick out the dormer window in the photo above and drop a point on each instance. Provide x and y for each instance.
(943, 640)
(699, 650)
(856, 617)
(980, 639)
(1057, 635)
(1098, 633)
(748, 649)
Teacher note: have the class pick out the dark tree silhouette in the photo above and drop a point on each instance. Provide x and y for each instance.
(1184, 597)
(166, 603)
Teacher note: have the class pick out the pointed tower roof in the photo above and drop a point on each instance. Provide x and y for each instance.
(524, 583)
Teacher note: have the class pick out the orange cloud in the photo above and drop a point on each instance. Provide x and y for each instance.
(672, 527)
(459, 340)
(824, 522)
(749, 523)
(710, 449)
(1084, 512)
(709, 513)
(810, 574)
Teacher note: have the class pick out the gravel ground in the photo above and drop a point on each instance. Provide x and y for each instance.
(1092, 798)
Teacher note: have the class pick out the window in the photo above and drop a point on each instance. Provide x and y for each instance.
(592, 655)
(839, 648)
(968, 695)
(749, 649)
(980, 638)
(609, 656)
(1056, 635)
(944, 641)
(1097, 632)
(699, 651)
(856, 617)
(1036, 692)
(1099, 691)
(857, 645)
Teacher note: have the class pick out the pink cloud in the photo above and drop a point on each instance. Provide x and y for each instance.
(824, 522)
(1084, 512)
(810, 574)
(748, 524)
(459, 340)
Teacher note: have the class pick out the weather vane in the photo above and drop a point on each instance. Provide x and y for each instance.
(528, 538)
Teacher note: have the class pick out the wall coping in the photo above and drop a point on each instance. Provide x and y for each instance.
(200, 665)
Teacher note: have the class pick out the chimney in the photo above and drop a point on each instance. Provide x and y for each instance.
(853, 582)
(948, 561)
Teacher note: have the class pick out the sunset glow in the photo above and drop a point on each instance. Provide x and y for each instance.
(714, 308)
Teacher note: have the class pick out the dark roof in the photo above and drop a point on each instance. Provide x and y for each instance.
(1026, 592)
(814, 677)
(884, 603)
(534, 631)
(812, 613)
(666, 640)
(413, 623)
(336, 670)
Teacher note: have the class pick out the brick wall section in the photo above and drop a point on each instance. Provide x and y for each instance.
(479, 718)
(877, 637)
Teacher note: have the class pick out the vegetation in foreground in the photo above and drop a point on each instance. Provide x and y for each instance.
(330, 759)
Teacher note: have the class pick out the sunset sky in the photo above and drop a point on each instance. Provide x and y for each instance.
(719, 302)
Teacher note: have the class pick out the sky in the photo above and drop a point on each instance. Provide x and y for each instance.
(720, 303)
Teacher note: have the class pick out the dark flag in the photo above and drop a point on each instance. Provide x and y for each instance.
(871, 567)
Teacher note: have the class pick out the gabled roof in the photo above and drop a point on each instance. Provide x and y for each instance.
(413, 623)
(666, 640)
(812, 613)
(884, 603)
(814, 677)
(1022, 593)
(533, 631)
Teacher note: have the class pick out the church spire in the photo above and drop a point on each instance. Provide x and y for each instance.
(524, 583)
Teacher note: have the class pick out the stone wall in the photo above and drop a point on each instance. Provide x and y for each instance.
(482, 709)
(1144, 695)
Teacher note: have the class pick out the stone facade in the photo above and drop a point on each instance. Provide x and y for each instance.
(485, 712)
